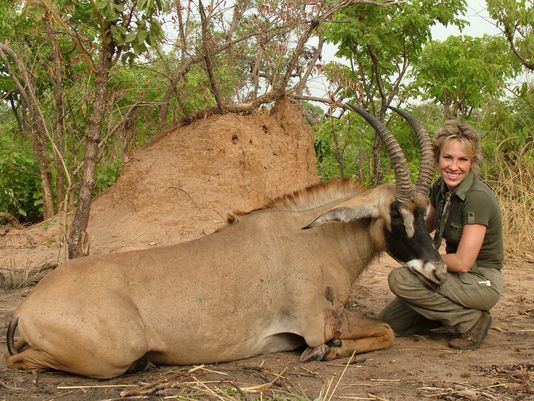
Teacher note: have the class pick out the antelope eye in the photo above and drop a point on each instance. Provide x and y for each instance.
(395, 213)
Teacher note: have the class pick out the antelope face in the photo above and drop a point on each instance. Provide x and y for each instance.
(410, 244)
(408, 241)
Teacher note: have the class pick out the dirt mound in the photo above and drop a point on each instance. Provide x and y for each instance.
(183, 184)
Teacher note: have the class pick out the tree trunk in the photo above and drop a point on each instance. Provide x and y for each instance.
(37, 123)
(379, 179)
(57, 83)
(78, 240)
(41, 152)
(361, 160)
(164, 110)
(14, 108)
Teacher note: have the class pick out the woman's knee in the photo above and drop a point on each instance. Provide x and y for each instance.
(402, 281)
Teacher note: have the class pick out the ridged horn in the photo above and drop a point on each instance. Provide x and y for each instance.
(403, 184)
(426, 171)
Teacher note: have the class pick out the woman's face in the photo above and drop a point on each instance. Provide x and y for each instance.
(454, 163)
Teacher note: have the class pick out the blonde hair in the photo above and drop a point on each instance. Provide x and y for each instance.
(454, 130)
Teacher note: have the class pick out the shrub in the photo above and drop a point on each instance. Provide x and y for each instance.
(20, 192)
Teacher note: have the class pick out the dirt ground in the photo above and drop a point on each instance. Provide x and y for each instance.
(415, 368)
(181, 187)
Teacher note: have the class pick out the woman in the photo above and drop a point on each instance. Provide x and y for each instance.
(464, 212)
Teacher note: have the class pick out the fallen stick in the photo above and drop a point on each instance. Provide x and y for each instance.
(341, 376)
(263, 387)
(385, 380)
(96, 386)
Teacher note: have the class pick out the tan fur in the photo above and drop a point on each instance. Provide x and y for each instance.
(310, 197)
(317, 195)
(259, 285)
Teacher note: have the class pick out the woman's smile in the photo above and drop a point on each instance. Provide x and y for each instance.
(454, 164)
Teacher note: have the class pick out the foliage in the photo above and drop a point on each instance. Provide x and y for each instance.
(149, 84)
(59, 45)
(344, 146)
(462, 72)
(382, 42)
(12, 279)
(20, 192)
(516, 19)
(134, 24)
(510, 125)
(508, 144)
(314, 111)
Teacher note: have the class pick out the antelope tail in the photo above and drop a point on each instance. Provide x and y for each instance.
(10, 336)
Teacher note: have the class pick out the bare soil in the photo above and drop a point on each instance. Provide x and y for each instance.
(181, 187)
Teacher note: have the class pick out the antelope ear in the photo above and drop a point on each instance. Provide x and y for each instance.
(344, 214)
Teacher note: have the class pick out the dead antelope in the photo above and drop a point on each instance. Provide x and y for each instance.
(275, 279)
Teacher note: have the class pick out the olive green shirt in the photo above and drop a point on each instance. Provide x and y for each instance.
(472, 202)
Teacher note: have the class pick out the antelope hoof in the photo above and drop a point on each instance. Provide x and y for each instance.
(334, 343)
(314, 354)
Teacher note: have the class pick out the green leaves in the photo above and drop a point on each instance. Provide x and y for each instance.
(462, 72)
(20, 193)
(516, 19)
(383, 42)
(133, 24)
(106, 8)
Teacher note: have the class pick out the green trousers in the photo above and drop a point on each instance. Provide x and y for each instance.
(457, 303)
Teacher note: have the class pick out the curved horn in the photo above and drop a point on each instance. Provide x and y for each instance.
(426, 173)
(403, 185)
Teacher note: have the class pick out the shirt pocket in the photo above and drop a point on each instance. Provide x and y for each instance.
(455, 232)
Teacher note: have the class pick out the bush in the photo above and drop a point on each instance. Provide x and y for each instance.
(20, 192)
(512, 184)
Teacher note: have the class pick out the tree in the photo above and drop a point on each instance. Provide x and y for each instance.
(65, 68)
(462, 72)
(516, 20)
(25, 85)
(100, 33)
(123, 29)
(381, 44)
(337, 144)
(262, 45)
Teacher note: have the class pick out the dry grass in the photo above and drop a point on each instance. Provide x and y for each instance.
(11, 279)
(191, 385)
(20, 277)
(514, 187)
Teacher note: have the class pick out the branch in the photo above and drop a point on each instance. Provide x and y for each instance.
(206, 39)
(330, 102)
(311, 64)
(378, 79)
(182, 35)
(278, 86)
(510, 37)
(78, 39)
(29, 96)
(10, 219)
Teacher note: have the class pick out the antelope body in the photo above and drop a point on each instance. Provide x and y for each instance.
(275, 279)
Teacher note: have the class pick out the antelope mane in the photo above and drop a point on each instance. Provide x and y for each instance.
(316, 195)
(308, 198)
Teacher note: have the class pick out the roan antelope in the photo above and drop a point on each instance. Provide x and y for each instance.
(274, 279)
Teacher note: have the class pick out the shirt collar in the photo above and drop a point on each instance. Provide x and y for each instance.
(461, 190)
